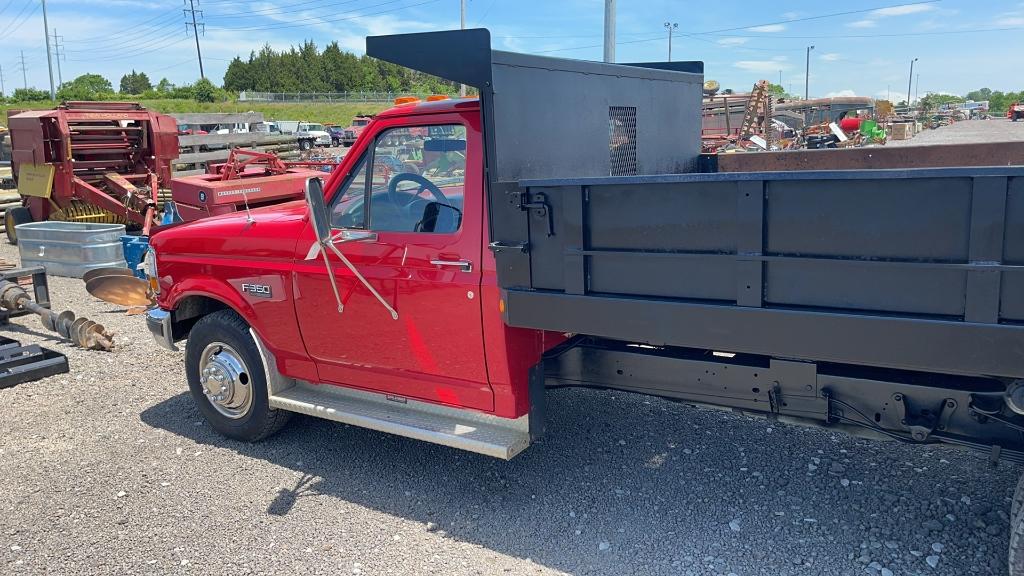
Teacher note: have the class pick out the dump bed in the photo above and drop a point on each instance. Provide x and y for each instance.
(916, 269)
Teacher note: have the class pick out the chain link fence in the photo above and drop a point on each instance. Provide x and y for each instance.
(249, 96)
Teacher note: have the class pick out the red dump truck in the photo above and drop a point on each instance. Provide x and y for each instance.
(563, 230)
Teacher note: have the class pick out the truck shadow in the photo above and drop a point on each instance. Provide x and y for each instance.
(626, 484)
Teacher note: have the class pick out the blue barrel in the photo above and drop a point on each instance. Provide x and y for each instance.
(134, 251)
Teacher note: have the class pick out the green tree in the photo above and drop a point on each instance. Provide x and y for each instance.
(204, 91)
(86, 87)
(135, 83)
(29, 95)
(164, 86)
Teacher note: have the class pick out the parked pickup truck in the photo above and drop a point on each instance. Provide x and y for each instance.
(310, 134)
(513, 251)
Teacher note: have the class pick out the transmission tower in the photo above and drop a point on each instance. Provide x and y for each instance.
(190, 11)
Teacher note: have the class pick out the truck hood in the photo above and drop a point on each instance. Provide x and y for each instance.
(271, 234)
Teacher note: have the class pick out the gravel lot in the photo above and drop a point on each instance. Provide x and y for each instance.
(994, 130)
(111, 470)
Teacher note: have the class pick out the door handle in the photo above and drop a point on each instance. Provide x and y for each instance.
(464, 265)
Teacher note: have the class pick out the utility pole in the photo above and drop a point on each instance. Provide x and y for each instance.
(57, 55)
(462, 18)
(671, 27)
(191, 10)
(917, 88)
(807, 75)
(24, 76)
(2, 89)
(910, 81)
(780, 78)
(49, 57)
(609, 31)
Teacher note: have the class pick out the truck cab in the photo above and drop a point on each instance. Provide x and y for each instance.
(413, 311)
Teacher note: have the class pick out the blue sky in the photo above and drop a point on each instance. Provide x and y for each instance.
(961, 44)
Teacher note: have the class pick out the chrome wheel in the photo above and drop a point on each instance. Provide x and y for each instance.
(225, 380)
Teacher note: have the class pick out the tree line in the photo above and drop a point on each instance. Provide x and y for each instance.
(307, 69)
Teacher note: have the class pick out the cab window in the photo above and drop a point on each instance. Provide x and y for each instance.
(417, 184)
(348, 208)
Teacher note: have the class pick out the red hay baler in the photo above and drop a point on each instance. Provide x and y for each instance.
(91, 162)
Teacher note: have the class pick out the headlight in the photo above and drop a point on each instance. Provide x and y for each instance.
(149, 265)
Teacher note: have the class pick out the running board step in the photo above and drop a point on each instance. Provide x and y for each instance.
(463, 429)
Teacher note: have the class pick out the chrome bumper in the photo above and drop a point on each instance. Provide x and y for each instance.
(159, 323)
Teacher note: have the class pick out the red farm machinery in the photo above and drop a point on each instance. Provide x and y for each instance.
(105, 162)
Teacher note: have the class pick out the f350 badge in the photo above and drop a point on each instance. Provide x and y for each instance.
(259, 290)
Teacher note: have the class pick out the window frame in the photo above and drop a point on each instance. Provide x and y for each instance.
(371, 157)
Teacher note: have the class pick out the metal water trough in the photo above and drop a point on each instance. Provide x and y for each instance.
(70, 248)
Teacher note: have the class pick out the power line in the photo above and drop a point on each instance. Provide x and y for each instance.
(485, 13)
(6, 6)
(14, 24)
(133, 30)
(130, 55)
(130, 46)
(191, 10)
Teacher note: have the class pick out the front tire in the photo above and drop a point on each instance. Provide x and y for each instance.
(305, 144)
(226, 378)
(13, 217)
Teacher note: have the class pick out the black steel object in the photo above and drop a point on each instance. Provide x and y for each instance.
(911, 269)
(906, 406)
(81, 331)
(40, 289)
(19, 364)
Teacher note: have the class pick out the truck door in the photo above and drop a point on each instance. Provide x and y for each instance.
(417, 192)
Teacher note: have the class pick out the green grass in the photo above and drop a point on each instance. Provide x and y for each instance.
(327, 113)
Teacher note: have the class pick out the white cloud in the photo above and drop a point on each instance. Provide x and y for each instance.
(768, 28)
(872, 18)
(791, 15)
(762, 65)
(841, 94)
(733, 41)
(902, 10)
(831, 57)
(1011, 21)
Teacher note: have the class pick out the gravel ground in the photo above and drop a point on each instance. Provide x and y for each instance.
(111, 470)
(966, 132)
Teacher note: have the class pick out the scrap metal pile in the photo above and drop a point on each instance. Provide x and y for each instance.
(756, 121)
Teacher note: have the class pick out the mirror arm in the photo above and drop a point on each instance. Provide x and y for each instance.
(330, 276)
(365, 282)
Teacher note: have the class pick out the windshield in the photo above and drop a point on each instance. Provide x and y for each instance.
(360, 122)
(314, 127)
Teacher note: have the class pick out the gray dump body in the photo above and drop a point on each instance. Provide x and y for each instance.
(913, 269)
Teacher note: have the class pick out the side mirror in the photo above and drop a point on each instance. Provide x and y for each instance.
(318, 209)
(325, 238)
